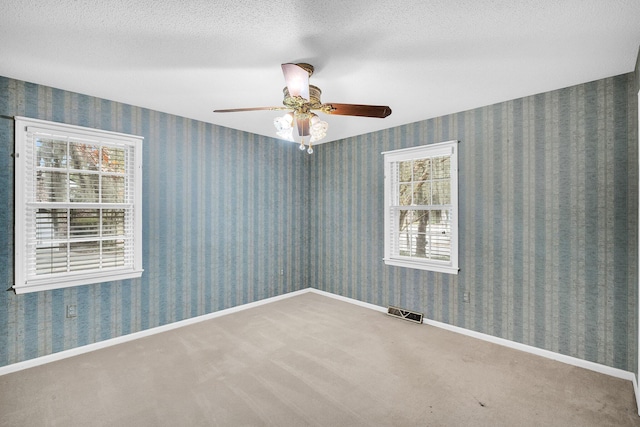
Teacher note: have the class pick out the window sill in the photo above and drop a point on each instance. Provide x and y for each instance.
(68, 281)
(440, 268)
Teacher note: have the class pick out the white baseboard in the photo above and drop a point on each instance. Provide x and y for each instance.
(15, 367)
(570, 360)
(592, 366)
(349, 300)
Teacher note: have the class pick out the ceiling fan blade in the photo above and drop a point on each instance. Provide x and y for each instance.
(236, 110)
(297, 80)
(303, 126)
(380, 111)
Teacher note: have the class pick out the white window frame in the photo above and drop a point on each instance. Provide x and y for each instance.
(26, 205)
(391, 235)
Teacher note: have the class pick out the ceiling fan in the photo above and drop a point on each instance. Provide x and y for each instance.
(302, 99)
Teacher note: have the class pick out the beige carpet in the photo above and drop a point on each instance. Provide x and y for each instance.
(311, 360)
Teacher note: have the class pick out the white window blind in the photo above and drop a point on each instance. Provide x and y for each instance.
(421, 207)
(78, 205)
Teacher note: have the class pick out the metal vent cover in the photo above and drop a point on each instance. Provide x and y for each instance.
(411, 316)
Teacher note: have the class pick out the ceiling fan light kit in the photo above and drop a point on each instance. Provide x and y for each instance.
(302, 99)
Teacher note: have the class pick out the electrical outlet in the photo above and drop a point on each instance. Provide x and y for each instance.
(71, 311)
(466, 297)
(282, 272)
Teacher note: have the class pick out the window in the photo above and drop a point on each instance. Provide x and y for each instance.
(421, 207)
(78, 206)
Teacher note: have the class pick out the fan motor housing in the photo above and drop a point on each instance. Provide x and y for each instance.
(297, 103)
(307, 67)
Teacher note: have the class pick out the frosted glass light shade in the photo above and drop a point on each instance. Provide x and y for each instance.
(318, 129)
(286, 134)
(284, 122)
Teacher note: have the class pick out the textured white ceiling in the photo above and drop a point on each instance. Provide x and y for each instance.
(424, 58)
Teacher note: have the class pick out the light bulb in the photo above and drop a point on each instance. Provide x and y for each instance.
(310, 150)
(301, 147)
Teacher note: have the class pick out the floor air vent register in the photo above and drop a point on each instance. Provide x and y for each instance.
(400, 313)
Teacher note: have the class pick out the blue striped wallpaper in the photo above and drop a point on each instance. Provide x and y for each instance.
(548, 221)
(220, 225)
